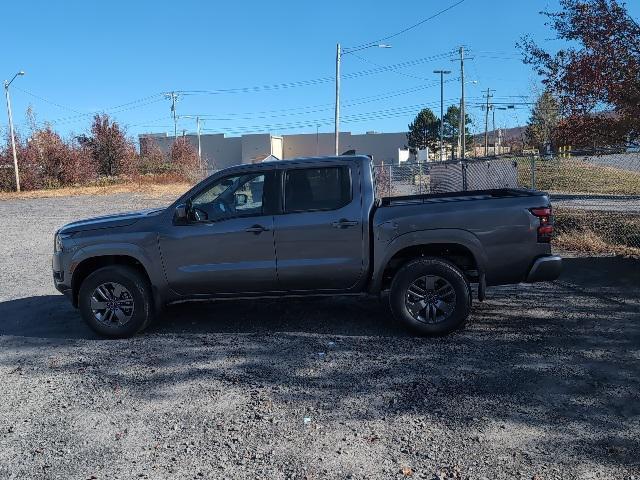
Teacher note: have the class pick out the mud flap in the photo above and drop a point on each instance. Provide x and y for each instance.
(482, 287)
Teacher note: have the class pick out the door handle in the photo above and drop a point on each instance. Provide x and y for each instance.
(344, 223)
(256, 229)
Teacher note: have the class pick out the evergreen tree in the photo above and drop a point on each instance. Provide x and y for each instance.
(541, 129)
(424, 131)
(452, 127)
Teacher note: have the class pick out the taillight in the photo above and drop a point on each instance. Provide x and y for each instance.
(545, 229)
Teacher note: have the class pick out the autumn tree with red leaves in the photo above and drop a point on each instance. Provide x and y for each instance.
(596, 79)
(60, 162)
(111, 149)
(46, 160)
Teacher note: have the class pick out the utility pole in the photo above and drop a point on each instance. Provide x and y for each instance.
(337, 112)
(174, 97)
(458, 144)
(339, 53)
(486, 124)
(199, 144)
(495, 138)
(12, 133)
(462, 125)
(442, 73)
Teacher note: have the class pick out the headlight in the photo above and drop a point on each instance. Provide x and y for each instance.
(58, 242)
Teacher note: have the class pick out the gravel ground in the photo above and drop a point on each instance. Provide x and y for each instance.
(604, 203)
(543, 384)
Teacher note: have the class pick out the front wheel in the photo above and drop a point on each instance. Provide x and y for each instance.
(116, 301)
(430, 296)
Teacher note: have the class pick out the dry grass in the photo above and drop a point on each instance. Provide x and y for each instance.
(576, 176)
(593, 232)
(588, 242)
(141, 187)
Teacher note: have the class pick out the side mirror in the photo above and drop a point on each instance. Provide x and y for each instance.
(181, 215)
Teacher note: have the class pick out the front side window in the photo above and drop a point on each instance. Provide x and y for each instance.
(239, 195)
(308, 189)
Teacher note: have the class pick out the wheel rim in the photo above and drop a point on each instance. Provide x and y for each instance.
(430, 299)
(112, 304)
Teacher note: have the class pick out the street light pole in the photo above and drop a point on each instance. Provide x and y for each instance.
(463, 118)
(198, 130)
(339, 53)
(442, 73)
(337, 109)
(12, 133)
(199, 144)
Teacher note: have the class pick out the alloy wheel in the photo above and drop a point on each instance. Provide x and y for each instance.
(112, 304)
(430, 299)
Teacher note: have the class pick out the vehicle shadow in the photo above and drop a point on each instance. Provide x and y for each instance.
(44, 316)
(318, 315)
(53, 317)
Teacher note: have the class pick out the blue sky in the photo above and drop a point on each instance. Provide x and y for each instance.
(119, 57)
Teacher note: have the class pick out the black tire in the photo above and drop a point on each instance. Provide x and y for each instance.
(423, 322)
(137, 289)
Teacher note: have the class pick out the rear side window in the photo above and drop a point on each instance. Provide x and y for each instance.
(308, 189)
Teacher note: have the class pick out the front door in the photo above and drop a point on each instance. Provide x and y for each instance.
(319, 232)
(227, 246)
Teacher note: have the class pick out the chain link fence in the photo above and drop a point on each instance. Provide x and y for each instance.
(596, 196)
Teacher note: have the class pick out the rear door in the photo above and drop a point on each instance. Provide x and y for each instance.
(319, 232)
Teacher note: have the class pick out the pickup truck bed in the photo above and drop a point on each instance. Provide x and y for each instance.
(495, 226)
(460, 196)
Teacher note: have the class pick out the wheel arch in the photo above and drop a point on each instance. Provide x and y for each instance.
(459, 247)
(88, 265)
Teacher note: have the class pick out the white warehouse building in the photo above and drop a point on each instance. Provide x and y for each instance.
(219, 151)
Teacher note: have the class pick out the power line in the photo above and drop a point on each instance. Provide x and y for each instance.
(114, 110)
(354, 118)
(111, 111)
(64, 107)
(145, 101)
(316, 81)
(411, 27)
(309, 110)
(397, 72)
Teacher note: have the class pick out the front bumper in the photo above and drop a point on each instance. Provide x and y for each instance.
(61, 279)
(545, 269)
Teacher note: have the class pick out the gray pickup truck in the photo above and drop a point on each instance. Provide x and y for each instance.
(305, 227)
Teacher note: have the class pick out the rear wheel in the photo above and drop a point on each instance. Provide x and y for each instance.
(430, 296)
(116, 301)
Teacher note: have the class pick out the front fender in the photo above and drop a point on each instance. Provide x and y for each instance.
(384, 252)
(144, 255)
(106, 249)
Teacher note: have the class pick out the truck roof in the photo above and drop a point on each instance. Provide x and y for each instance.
(296, 161)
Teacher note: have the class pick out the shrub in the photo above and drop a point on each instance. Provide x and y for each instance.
(184, 160)
(112, 151)
(45, 161)
(152, 161)
(28, 168)
(60, 163)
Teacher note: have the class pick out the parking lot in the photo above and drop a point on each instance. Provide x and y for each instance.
(544, 383)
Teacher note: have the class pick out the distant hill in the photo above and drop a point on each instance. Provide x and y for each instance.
(509, 136)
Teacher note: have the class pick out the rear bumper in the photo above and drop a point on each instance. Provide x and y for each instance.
(545, 269)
